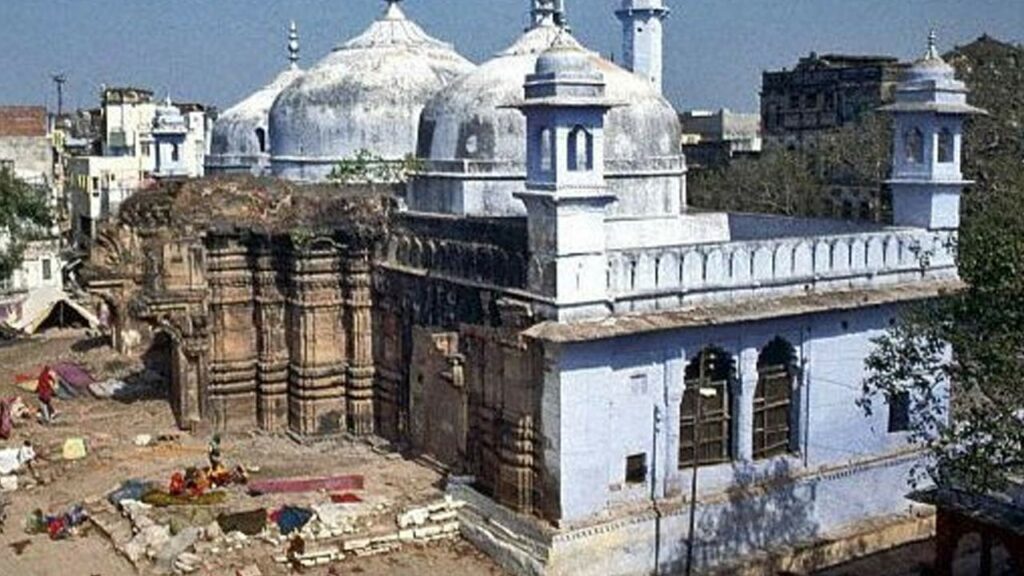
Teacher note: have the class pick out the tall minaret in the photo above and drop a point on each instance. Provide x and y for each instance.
(566, 197)
(642, 37)
(293, 45)
(928, 119)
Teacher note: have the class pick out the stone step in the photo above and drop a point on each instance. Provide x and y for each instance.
(109, 521)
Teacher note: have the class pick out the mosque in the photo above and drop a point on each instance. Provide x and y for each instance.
(624, 385)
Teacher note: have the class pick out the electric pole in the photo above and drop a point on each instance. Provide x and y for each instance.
(705, 357)
(60, 79)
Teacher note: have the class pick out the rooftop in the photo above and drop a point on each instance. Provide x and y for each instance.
(22, 121)
(742, 310)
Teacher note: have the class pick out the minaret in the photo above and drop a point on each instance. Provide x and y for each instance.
(642, 37)
(566, 197)
(547, 13)
(293, 46)
(928, 118)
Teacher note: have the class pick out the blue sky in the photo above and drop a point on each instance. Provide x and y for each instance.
(216, 51)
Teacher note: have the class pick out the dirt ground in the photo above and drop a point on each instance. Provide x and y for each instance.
(109, 428)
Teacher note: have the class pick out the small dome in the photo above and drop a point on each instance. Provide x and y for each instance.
(240, 140)
(242, 129)
(470, 119)
(366, 95)
(931, 67)
(167, 117)
(565, 57)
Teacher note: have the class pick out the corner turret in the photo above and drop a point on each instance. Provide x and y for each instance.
(566, 198)
(928, 118)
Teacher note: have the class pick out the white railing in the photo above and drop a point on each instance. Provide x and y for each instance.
(652, 277)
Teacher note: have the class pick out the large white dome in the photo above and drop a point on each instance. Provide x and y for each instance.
(472, 143)
(470, 119)
(367, 94)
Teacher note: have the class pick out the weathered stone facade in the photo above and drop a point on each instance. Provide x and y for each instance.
(328, 329)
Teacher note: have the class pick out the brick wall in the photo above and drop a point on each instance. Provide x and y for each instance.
(22, 121)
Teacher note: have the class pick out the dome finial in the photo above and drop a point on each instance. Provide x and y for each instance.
(293, 45)
(933, 50)
(392, 11)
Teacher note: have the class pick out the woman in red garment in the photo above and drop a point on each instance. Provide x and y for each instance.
(44, 390)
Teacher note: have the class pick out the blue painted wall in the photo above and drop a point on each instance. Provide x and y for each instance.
(599, 407)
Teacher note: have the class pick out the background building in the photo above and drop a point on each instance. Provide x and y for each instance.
(25, 144)
(823, 93)
(131, 127)
(711, 139)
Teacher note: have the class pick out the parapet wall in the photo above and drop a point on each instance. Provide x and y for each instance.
(672, 276)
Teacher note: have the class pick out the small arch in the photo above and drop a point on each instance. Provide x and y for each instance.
(546, 146)
(913, 146)
(946, 146)
(581, 150)
(261, 139)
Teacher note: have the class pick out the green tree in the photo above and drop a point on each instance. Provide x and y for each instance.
(800, 182)
(369, 168)
(969, 346)
(780, 181)
(23, 217)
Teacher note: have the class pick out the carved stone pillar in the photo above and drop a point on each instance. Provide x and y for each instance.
(189, 371)
(316, 342)
(515, 485)
(272, 347)
(360, 366)
(233, 362)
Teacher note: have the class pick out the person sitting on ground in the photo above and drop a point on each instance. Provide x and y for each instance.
(44, 390)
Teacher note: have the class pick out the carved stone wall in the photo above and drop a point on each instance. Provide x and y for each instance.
(413, 335)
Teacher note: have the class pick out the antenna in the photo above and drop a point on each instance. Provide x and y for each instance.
(59, 80)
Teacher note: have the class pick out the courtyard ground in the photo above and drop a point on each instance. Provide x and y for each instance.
(110, 428)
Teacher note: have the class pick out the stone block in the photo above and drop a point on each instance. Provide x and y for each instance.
(427, 531)
(357, 544)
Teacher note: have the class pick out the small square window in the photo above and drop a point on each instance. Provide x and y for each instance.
(636, 469)
(899, 412)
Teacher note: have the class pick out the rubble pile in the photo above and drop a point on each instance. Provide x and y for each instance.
(307, 537)
(433, 522)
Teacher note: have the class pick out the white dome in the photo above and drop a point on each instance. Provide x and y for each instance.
(470, 119)
(367, 94)
(240, 137)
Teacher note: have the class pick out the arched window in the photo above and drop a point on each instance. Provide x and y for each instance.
(773, 399)
(581, 150)
(913, 141)
(709, 433)
(545, 143)
(946, 150)
(261, 139)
